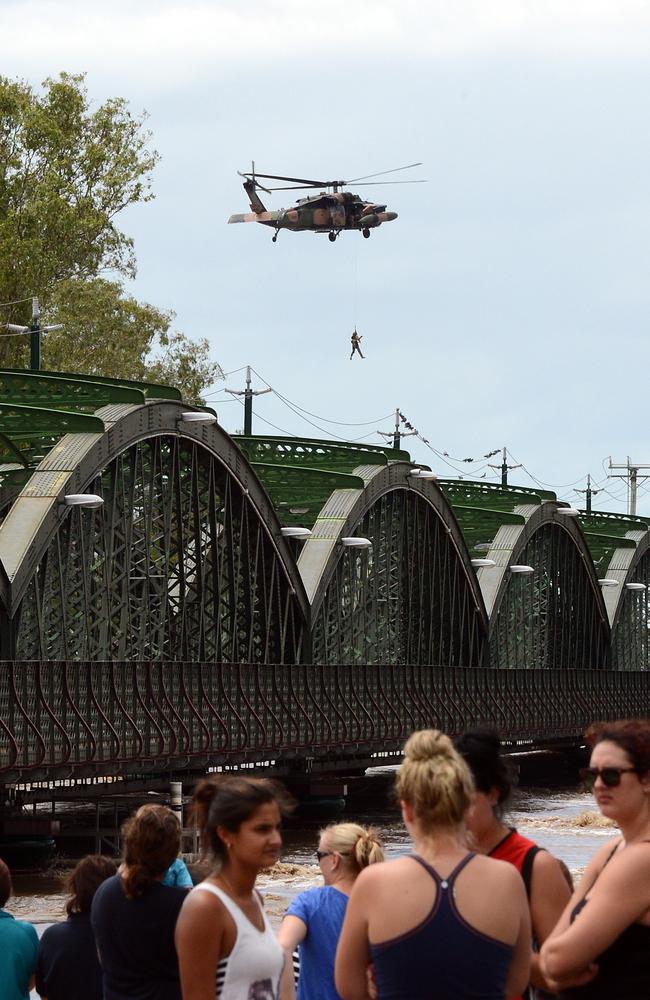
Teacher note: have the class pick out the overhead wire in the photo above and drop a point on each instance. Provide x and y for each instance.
(16, 302)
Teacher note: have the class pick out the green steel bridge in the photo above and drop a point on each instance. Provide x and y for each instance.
(283, 602)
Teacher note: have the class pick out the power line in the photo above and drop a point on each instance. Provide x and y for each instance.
(16, 302)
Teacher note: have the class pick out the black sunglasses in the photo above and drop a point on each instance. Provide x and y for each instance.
(610, 776)
(323, 854)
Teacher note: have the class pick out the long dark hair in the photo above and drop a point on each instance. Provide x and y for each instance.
(228, 802)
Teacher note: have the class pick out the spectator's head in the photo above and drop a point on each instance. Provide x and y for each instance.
(151, 840)
(85, 879)
(344, 849)
(5, 883)
(434, 780)
(481, 749)
(221, 805)
(631, 735)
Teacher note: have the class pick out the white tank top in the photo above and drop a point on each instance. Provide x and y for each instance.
(253, 968)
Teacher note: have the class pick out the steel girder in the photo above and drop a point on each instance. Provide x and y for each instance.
(630, 642)
(412, 597)
(184, 560)
(554, 617)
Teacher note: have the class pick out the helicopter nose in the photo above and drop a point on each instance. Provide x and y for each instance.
(386, 216)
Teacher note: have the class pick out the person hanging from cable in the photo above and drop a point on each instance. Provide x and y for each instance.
(355, 340)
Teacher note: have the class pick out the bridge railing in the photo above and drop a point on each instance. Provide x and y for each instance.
(64, 719)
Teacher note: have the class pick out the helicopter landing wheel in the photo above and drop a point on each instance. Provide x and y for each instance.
(274, 239)
(331, 236)
(366, 233)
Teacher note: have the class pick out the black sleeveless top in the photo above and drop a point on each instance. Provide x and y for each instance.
(624, 967)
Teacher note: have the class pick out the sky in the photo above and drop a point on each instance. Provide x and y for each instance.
(509, 303)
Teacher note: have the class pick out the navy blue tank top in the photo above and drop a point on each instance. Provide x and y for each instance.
(444, 957)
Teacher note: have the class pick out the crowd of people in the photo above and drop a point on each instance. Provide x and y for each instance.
(475, 912)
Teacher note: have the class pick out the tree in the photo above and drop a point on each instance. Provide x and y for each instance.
(66, 172)
(106, 332)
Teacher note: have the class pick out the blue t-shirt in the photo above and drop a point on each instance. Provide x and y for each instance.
(177, 874)
(135, 939)
(18, 950)
(322, 911)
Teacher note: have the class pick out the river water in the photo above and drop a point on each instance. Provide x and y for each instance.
(565, 822)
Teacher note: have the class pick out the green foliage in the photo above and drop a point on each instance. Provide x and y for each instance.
(109, 333)
(67, 169)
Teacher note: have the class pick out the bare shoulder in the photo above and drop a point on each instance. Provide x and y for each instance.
(545, 865)
(387, 873)
(200, 902)
(496, 870)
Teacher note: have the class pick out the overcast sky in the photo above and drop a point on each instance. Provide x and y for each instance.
(508, 305)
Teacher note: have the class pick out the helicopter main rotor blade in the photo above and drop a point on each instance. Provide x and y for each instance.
(296, 180)
(370, 184)
(409, 166)
(296, 187)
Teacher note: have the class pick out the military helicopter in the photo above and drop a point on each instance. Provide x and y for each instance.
(329, 212)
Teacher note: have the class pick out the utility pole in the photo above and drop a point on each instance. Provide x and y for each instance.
(589, 493)
(34, 331)
(397, 434)
(504, 467)
(248, 394)
(35, 337)
(632, 475)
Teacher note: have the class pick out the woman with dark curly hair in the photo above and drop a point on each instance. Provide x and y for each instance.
(67, 967)
(546, 887)
(226, 946)
(134, 915)
(603, 937)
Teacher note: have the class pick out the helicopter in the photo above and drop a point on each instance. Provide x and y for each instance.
(329, 212)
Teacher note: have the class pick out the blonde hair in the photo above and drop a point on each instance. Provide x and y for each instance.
(434, 779)
(358, 845)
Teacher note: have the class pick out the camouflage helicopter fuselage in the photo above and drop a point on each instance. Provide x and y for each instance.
(322, 213)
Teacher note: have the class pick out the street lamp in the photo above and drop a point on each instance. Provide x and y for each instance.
(568, 511)
(88, 500)
(421, 474)
(197, 417)
(521, 569)
(483, 562)
(353, 542)
(302, 534)
(607, 582)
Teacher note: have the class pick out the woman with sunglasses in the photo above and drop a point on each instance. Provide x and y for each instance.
(601, 945)
(546, 887)
(315, 917)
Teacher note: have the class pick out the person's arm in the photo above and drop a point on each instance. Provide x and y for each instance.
(199, 940)
(292, 931)
(518, 975)
(549, 895)
(352, 953)
(618, 899)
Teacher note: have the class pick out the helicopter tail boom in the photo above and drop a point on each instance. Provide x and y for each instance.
(264, 217)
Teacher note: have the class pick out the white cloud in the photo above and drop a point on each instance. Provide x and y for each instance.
(168, 43)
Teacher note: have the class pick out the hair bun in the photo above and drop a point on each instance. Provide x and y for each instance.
(427, 744)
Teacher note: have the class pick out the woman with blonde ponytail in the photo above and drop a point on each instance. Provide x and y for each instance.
(315, 917)
(442, 923)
